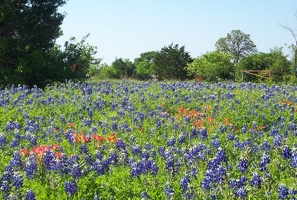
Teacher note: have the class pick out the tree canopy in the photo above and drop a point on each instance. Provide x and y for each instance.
(237, 44)
(28, 29)
(171, 63)
(212, 66)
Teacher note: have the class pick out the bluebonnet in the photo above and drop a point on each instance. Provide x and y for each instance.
(294, 158)
(292, 126)
(135, 149)
(184, 183)
(202, 133)
(29, 195)
(70, 188)
(63, 165)
(48, 160)
(99, 167)
(168, 190)
(17, 180)
(265, 159)
(265, 146)
(83, 149)
(16, 160)
(240, 192)
(171, 141)
(2, 140)
(230, 137)
(255, 180)
(215, 143)
(286, 152)
(30, 166)
(5, 187)
(120, 144)
(144, 195)
(282, 192)
(277, 140)
(75, 171)
(181, 138)
(242, 165)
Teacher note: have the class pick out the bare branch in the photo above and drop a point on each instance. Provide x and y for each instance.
(294, 34)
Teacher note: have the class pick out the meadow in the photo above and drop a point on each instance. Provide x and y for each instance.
(148, 140)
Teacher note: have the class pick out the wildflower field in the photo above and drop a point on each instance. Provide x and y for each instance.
(148, 140)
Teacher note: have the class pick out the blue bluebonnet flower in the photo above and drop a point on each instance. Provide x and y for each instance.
(70, 188)
(114, 126)
(5, 187)
(30, 166)
(215, 143)
(230, 137)
(292, 126)
(265, 159)
(282, 192)
(120, 144)
(99, 167)
(265, 146)
(148, 146)
(144, 195)
(277, 140)
(242, 165)
(240, 192)
(17, 180)
(255, 180)
(171, 141)
(49, 161)
(294, 158)
(63, 165)
(76, 172)
(286, 152)
(181, 138)
(144, 155)
(2, 140)
(168, 190)
(202, 133)
(16, 160)
(29, 195)
(184, 183)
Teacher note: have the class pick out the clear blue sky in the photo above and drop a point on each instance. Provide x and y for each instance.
(127, 28)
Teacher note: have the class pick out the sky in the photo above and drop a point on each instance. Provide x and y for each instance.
(127, 28)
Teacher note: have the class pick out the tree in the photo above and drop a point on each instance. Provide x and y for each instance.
(144, 65)
(78, 58)
(124, 68)
(171, 63)
(237, 44)
(274, 61)
(28, 29)
(212, 66)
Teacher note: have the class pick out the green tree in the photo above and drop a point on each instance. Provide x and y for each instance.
(212, 66)
(78, 58)
(237, 44)
(124, 68)
(275, 61)
(144, 65)
(28, 29)
(171, 63)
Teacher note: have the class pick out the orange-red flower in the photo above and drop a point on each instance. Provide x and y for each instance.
(112, 138)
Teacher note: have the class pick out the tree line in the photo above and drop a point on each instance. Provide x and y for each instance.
(29, 54)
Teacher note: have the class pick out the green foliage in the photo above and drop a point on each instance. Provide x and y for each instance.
(274, 61)
(212, 66)
(171, 63)
(124, 68)
(105, 72)
(237, 44)
(27, 30)
(144, 65)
